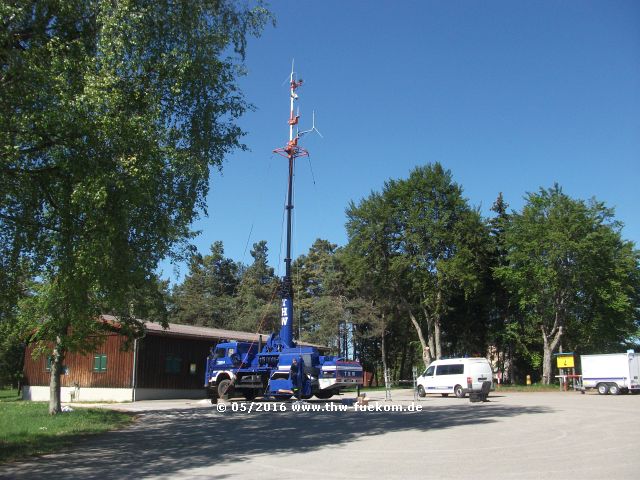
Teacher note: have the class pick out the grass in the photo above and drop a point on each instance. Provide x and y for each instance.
(9, 395)
(26, 428)
(535, 387)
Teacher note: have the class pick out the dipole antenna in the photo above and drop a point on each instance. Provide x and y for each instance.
(291, 151)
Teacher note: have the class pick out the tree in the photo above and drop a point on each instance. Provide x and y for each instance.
(422, 244)
(504, 329)
(257, 306)
(206, 295)
(571, 272)
(325, 312)
(111, 115)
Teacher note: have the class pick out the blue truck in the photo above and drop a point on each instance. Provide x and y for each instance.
(279, 368)
(276, 371)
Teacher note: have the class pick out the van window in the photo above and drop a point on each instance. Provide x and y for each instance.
(451, 369)
(429, 371)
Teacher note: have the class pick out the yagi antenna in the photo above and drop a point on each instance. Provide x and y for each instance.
(313, 126)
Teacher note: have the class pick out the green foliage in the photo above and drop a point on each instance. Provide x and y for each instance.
(571, 273)
(206, 296)
(317, 290)
(257, 303)
(111, 115)
(419, 246)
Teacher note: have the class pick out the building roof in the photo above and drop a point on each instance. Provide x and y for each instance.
(177, 330)
(191, 331)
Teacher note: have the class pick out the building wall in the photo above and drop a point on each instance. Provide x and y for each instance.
(163, 370)
(79, 368)
(71, 394)
(165, 362)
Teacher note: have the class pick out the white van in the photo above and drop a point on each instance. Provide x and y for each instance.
(452, 376)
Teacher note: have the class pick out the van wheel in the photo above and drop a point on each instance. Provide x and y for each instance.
(614, 389)
(603, 388)
(459, 391)
(421, 392)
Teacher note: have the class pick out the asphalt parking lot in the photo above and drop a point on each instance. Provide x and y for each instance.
(514, 435)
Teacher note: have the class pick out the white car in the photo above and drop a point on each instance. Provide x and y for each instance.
(455, 375)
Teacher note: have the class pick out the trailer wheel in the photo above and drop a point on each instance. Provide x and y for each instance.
(603, 388)
(459, 391)
(614, 389)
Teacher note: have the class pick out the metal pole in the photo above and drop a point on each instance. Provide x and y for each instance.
(287, 260)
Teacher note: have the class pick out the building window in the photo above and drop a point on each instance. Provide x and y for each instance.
(173, 364)
(100, 363)
(48, 363)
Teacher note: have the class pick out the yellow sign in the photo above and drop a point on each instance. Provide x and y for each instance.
(565, 361)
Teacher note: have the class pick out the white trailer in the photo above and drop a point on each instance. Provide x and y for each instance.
(613, 373)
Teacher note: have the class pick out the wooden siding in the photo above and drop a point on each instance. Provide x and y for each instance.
(80, 367)
(153, 351)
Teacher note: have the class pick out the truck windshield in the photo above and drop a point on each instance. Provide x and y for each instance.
(220, 352)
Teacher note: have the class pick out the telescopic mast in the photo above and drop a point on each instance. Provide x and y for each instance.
(290, 151)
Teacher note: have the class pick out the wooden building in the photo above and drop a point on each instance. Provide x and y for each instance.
(162, 364)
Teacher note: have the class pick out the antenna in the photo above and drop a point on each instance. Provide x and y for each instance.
(291, 151)
(313, 126)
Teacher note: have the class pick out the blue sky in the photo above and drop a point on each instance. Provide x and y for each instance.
(510, 96)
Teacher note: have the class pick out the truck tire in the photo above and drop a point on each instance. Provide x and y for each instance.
(603, 388)
(459, 391)
(324, 395)
(225, 389)
(614, 389)
(249, 394)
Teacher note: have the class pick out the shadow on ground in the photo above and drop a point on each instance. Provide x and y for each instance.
(166, 442)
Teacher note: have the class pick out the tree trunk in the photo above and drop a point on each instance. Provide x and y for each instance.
(436, 336)
(55, 404)
(426, 355)
(432, 346)
(549, 347)
(403, 359)
(384, 350)
(437, 331)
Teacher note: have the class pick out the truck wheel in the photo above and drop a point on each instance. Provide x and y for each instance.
(614, 389)
(323, 395)
(421, 392)
(459, 391)
(603, 388)
(249, 394)
(225, 389)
